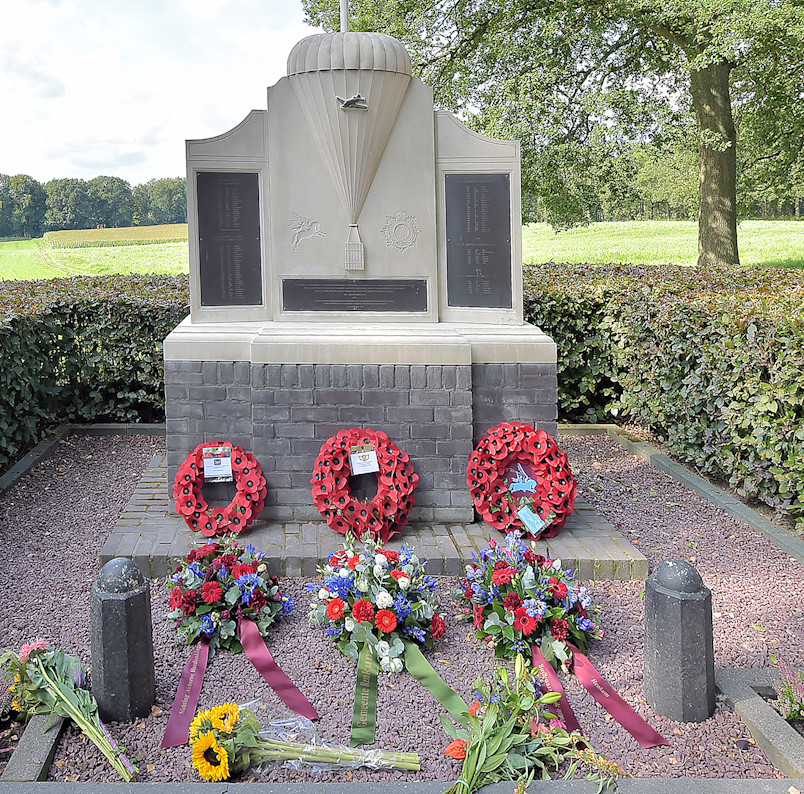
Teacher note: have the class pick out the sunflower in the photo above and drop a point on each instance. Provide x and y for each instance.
(209, 758)
(202, 722)
(224, 717)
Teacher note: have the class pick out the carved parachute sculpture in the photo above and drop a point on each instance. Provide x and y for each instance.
(350, 87)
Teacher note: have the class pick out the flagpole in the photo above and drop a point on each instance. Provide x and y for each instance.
(344, 16)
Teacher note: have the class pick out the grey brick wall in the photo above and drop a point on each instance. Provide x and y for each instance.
(285, 412)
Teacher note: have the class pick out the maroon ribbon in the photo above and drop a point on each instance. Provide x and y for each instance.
(603, 693)
(183, 711)
(260, 656)
(554, 685)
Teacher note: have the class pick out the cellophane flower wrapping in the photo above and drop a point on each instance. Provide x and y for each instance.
(518, 597)
(216, 583)
(376, 596)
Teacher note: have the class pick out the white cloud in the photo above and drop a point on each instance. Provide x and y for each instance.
(115, 89)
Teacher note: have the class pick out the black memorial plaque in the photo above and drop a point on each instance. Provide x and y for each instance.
(478, 240)
(229, 239)
(351, 295)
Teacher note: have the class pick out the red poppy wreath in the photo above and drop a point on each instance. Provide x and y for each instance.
(243, 509)
(520, 480)
(388, 510)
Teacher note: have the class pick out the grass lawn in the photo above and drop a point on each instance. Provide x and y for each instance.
(761, 243)
(34, 259)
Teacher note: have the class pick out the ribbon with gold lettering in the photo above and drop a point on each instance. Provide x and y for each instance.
(364, 719)
(184, 706)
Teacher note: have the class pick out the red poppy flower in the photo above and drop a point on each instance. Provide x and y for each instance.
(211, 592)
(336, 609)
(524, 622)
(438, 627)
(559, 628)
(385, 621)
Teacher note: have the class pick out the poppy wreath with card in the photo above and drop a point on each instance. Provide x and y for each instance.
(520, 480)
(242, 510)
(381, 516)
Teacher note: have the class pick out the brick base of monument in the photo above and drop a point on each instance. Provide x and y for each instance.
(283, 413)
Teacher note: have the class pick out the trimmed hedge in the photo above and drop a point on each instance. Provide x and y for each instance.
(712, 362)
(83, 350)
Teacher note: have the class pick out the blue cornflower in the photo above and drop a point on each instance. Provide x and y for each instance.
(572, 597)
(287, 605)
(584, 624)
(251, 549)
(339, 585)
(431, 583)
(333, 632)
(311, 587)
(247, 584)
(207, 626)
(415, 632)
(535, 608)
(402, 607)
(405, 553)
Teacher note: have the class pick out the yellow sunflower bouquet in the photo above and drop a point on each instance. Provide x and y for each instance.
(226, 741)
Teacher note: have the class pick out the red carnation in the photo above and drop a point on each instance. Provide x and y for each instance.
(512, 602)
(336, 608)
(524, 622)
(354, 561)
(500, 564)
(211, 592)
(188, 601)
(438, 627)
(338, 559)
(242, 569)
(477, 616)
(468, 594)
(230, 560)
(391, 556)
(558, 589)
(397, 574)
(386, 621)
(363, 610)
(258, 600)
(503, 575)
(176, 598)
(559, 628)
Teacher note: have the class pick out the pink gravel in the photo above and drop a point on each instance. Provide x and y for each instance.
(55, 521)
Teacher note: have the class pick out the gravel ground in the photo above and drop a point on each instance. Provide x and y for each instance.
(55, 521)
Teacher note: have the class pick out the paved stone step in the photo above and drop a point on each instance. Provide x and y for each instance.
(156, 539)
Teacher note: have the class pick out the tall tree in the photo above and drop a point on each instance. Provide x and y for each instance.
(28, 206)
(68, 204)
(567, 75)
(111, 201)
(161, 201)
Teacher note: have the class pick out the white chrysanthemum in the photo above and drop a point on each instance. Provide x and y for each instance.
(349, 624)
(378, 571)
(344, 573)
(380, 559)
(384, 599)
(323, 594)
(403, 582)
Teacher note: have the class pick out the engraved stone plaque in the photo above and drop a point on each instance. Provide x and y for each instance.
(230, 264)
(478, 208)
(350, 295)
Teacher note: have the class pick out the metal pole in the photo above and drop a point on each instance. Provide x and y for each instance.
(344, 16)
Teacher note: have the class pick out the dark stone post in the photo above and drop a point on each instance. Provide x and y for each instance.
(122, 643)
(679, 651)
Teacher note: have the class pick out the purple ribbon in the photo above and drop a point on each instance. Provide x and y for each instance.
(260, 657)
(554, 685)
(184, 706)
(603, 693)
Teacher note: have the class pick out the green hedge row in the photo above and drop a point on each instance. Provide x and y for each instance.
(83, 350)
(712, 362)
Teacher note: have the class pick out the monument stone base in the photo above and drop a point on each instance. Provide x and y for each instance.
(281, 390)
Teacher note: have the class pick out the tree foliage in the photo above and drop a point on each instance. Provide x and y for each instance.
(579, 82)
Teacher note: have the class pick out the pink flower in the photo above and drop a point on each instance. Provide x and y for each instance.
(36, 645)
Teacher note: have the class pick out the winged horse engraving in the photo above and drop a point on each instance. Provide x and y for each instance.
(522, 481)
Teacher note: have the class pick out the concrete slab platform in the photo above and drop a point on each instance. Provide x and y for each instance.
(156, 539)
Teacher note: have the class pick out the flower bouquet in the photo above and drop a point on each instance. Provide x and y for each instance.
(222, 596)
(46, 680)
(227, 740)
(519, 598)
(218, 583)
(511, 736)
(379, 606)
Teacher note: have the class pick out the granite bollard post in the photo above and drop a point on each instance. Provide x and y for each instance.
(123, 680)
(679, 648)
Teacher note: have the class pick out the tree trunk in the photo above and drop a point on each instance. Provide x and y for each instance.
(717, 156)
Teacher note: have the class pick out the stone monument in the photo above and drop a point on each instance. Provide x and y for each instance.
(355, 260)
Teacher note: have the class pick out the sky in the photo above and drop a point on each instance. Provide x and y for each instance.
(113, 88)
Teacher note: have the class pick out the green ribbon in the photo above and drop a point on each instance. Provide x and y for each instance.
(364, 719)
(423, 672)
